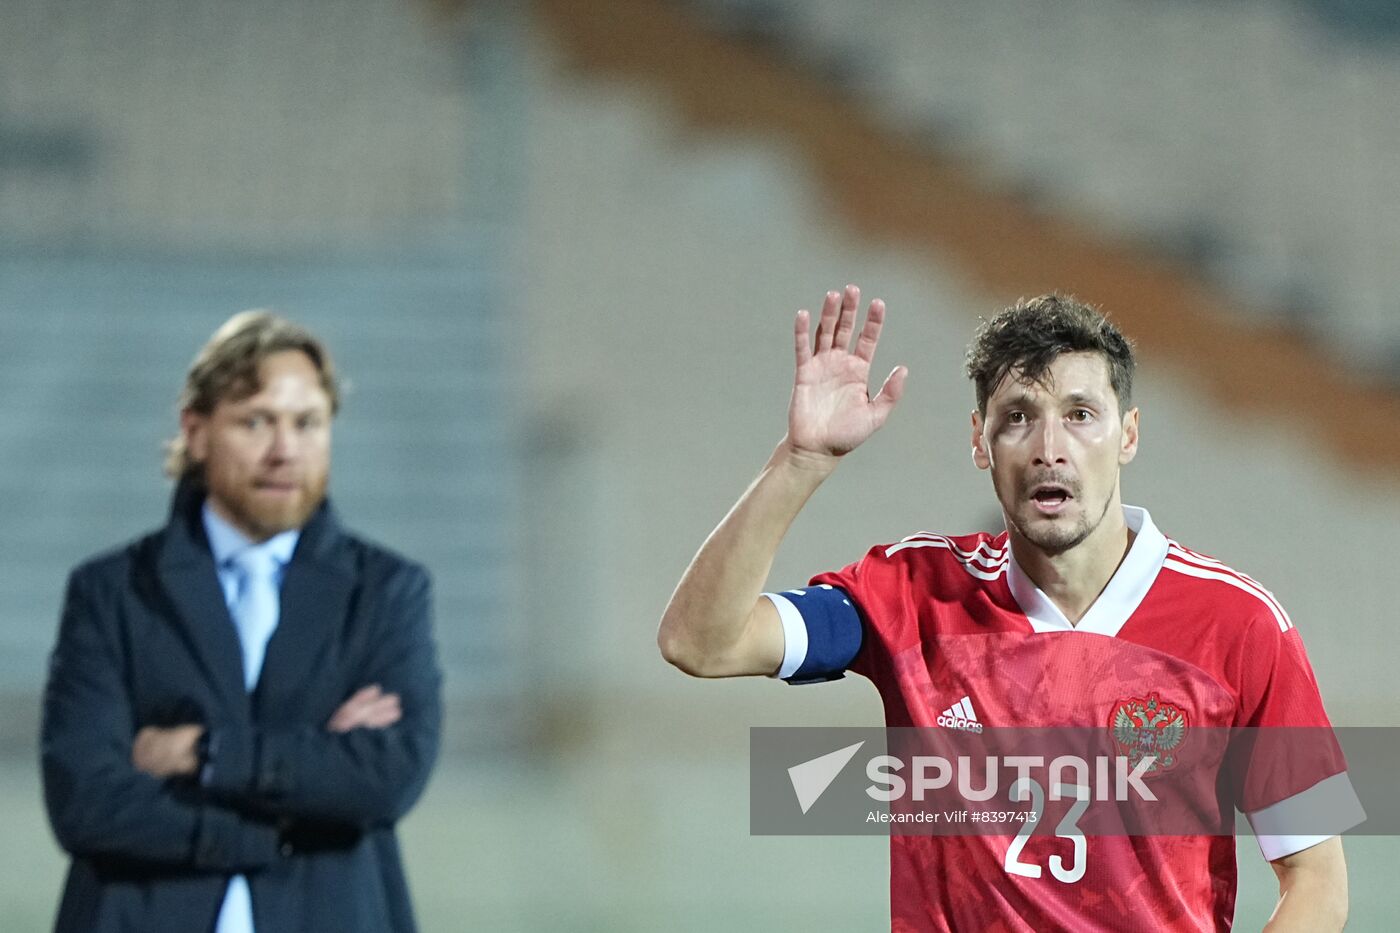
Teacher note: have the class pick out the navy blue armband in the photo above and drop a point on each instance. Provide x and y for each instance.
(822, 633)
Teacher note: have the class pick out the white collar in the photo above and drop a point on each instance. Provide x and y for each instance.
(1118, 601)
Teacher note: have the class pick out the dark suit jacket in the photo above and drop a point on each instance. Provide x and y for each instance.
(307, 815)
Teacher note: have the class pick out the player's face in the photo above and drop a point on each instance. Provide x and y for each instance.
(1055, 450)
(267, 457)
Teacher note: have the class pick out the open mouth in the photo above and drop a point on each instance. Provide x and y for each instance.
(1050, 498)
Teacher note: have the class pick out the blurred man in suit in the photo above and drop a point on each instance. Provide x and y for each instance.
(242, 704)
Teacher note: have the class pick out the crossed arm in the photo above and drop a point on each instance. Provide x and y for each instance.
(108, 784)
(174, 751)
(98, 803)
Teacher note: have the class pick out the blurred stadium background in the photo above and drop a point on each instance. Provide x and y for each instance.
(556, 247)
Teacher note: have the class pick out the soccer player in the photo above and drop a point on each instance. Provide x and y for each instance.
(1080, 614)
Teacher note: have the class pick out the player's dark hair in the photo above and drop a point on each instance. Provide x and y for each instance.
(1024, 340)
(226, 369)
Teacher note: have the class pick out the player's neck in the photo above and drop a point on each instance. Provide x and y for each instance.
(1075, 578)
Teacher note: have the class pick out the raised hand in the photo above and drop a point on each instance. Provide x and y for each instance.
(832, 412)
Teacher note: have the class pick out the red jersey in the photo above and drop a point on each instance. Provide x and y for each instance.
(954, 635)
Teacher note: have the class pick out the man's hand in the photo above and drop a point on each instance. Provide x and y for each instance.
(173, 751)
(717, 623)
(167, 751)
(831, 412)
(369, 708)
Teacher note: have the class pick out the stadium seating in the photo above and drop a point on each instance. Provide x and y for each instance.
(1249, 138)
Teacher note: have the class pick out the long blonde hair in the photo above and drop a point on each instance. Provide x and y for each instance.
(226, 369)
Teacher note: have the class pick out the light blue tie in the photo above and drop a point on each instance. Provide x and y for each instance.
(255, 608)
(255, 611)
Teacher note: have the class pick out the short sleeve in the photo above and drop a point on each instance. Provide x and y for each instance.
(1288, 773)
(1276, 683)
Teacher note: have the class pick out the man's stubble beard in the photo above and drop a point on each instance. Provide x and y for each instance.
(1057, 539)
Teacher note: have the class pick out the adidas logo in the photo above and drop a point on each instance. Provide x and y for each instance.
(960, 716)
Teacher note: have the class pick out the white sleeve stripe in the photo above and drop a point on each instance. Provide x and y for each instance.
(794, 635)
(1330, 805)
(1276, 847)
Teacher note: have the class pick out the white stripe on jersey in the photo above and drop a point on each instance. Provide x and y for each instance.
(993, 553)
(1192, 570)
(1195, 557)
(988, 567)
(1189, 556)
